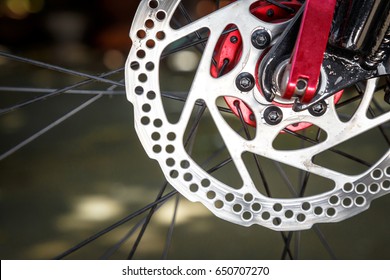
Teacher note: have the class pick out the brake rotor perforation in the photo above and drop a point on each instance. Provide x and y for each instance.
(244, 206)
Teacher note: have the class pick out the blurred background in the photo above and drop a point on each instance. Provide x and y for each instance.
(90, 171)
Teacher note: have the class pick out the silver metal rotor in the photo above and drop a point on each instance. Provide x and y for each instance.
(151, 33)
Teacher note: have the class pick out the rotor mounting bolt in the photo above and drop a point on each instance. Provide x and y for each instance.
(318, 109)
(273, 115)
(245, 82)
(261, 39)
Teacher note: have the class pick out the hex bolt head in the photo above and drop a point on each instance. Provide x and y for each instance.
(245, 82)
(318, 109)
(261, 39)
(273, 115)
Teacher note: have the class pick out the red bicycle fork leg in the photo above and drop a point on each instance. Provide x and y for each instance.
(302, 75)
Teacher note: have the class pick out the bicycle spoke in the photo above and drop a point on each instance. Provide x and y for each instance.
(344, 154)
(128, 218)
(193, 43)
(260, 170)
(280, 5)
(219, 166)
(317, 230)
(286, 179)
(60, 69)
(147, 221)
(297, 244)
(286, 247)
(170, 230)
(349, 101)
(124, 239)
(197, 34)
(178, 96)
(49, 127)
(378, 106)
(189, 139)
(72, 91)
(52, 94)
(324, 242)
(163, 200)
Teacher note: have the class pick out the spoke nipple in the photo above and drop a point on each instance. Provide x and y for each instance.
(318, 109)
(261, 39)
(273, 115)
(245, 82)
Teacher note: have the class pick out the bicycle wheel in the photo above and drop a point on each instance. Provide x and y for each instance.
(219, 146)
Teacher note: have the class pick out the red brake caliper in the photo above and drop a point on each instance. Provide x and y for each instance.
(228, 52)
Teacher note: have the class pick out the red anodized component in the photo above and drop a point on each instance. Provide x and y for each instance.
(229, 49)
(304, 69)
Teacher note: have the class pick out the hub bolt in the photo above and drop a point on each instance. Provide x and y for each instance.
(245, 82)
(261, 39)
(273, 115)
(318, 109)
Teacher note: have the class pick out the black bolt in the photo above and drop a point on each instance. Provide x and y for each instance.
(273, 115)
(261, 39)
(234, 39)
(245, 82)
(318, 109)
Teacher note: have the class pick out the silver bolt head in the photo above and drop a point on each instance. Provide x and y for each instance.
(274, 116)
(245, 82)
(319, 108)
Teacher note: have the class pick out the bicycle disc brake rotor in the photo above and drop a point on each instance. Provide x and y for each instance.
(167, 141)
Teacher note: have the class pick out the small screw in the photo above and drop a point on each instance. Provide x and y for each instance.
(234, 39)
(261, 39)
(245, 82)
(273, 115)
(318, 109)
